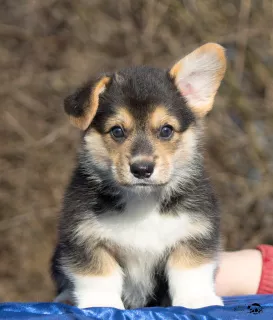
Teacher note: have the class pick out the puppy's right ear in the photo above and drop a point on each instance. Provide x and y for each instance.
(82, 105)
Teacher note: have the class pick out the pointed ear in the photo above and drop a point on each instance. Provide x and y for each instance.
(198, 76)
(82, 105)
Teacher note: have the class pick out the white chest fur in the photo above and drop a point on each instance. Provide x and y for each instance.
(141, 227)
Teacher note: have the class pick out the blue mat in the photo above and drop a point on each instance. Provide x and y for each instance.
(244, 307)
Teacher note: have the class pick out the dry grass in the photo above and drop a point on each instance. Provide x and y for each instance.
(49, 47)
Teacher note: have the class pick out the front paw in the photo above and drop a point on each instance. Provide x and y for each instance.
(198, 301)
(99, 300)
(64, 297)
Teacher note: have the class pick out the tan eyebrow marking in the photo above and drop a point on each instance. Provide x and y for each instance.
(123, 118)
(160, 117)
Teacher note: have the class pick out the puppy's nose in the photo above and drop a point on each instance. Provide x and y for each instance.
(142, 170)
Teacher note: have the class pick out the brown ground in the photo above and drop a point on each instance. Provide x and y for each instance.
(47, 48)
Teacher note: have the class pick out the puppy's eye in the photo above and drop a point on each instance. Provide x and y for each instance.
(117, 132)
(166, 132)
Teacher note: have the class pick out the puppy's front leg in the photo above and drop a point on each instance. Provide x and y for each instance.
(191, 278)
(99, 284)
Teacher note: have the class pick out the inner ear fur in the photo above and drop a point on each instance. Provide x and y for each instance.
(82, 105)
(198, 76)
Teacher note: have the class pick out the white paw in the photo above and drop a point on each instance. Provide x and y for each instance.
(198, 301)
(64, 297)
(99, 300)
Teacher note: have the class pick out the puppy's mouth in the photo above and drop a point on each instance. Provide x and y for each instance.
(144, 184)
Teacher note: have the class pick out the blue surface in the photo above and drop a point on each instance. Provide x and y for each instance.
(235, 308)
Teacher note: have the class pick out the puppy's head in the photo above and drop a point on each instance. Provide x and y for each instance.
(141, 124)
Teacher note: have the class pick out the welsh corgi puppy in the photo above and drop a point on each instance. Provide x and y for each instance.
(140, 222)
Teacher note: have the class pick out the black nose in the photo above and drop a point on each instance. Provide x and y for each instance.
(142, 170)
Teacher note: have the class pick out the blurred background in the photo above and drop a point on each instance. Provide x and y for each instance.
(48, 48)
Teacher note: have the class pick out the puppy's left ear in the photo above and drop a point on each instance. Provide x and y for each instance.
(82, 106)
(198, 76)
